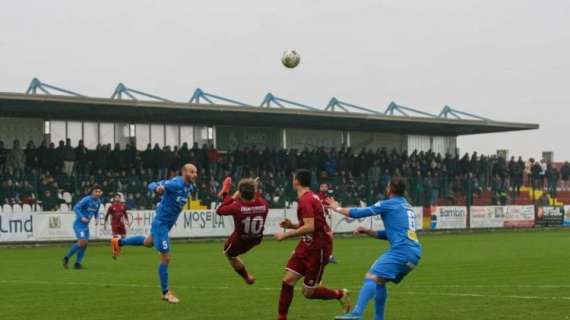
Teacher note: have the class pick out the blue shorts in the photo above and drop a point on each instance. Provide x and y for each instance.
(393, 266)
(81, 230)
(159, 234)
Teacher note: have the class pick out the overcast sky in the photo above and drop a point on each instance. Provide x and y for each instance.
(506, 60)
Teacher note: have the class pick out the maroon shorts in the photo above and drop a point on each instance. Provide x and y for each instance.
(236, 245)
(119, 229)
(310, 264)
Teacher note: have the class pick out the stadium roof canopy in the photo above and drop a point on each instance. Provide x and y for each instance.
(210, 109)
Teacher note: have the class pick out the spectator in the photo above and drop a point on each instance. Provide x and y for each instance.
(60, 156)
(31, 155)
(552, 177)
(50, 201)
(68, 158)
(516, 174)
(214, 159)
(16, 160)
(51, 159)
(82, 158)
(565, 174)
(536, 170)
(3, 154)
(156, 161)
(542, 177)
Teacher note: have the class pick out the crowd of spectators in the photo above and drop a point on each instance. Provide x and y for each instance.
(53, 175)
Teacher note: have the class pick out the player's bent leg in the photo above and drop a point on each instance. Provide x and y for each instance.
(240, 269)
(287, 289)
(118, 242)
(322, 293)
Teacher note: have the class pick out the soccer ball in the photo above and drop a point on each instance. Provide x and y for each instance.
(290, 59)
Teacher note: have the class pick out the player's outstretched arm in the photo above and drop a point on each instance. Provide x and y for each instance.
(156, 187)
(228, 207)
(371, 233)
(355, 213)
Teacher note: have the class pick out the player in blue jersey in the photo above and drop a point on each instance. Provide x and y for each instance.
(175, 193)
(84, 210)
(405, 250)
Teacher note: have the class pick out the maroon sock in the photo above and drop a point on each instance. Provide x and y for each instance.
(242, 272)
(285, 300)
(326, 294)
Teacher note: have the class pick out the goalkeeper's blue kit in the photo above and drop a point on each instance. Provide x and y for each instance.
(400, 231)
(402, 257)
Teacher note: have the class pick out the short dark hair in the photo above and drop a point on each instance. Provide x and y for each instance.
(95, 187)
(246, 188)
(398, 186)
(303, 176)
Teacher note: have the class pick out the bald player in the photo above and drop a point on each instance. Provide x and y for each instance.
(175, 193)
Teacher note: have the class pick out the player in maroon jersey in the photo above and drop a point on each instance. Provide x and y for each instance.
(118, 213)
(325, 197)
(249, 211)
(313, 251)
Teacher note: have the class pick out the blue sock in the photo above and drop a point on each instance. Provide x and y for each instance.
(367, 292)
(80, 255)
(163, 275)
(381, 296)
(74, 248)
(132, 241)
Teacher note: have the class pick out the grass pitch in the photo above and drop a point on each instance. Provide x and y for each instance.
(492, 275)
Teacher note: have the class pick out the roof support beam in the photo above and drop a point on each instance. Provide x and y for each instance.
(200, 94)
(394, 109)
(448, 111)
(36, 85)
(123, 89)
(335, 103)
(280, 102)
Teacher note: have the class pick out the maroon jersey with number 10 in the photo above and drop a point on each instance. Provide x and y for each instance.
(249, 216)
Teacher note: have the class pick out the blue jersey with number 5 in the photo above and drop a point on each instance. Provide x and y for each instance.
(175, 196)
(399, 222)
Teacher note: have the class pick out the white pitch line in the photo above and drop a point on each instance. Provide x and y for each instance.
(476, 295)
(428, 293)
(497, 286)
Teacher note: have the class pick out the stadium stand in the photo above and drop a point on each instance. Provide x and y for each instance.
(57, 177)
